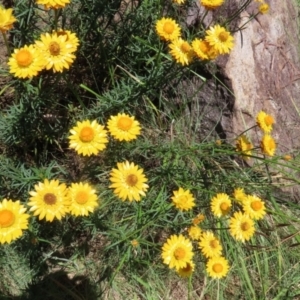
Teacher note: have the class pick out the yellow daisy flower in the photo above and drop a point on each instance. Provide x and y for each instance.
(88, 138)
(134, 243)
(26, 62)
(181, 51)
(83, 199)
(6, 19)
(194, 232)
(198, 219)
(128, 182)
(72, 41)
(239, 195)
(244, 145)
(211, 4)
(210, 245)
(219, 38)
(49, 200)
(57, 51)
(204, 50)
(13, 220)
(241, 227)
(217, 267)
(186, 271)
(183, 199)
(167, 29)
(177, 252)
(263, 8)
(268, 145)
(254, 207)
(220, 205)
(265, 122)
(55, 4)
(123, 127)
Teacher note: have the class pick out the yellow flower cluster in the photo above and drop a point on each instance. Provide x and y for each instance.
(49, 200)
(89, 138)
(54, 51)
(216, 40)
(268, 146)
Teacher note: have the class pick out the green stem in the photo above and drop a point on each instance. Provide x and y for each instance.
(56, 15)
(6, 43)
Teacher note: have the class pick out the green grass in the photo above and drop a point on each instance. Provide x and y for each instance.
(124, 67)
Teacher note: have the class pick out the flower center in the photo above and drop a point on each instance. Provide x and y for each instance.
(203, 46)
(24, 58)
(269, 120)
(224, 207)
(131, 180)
(217, 268)
(7, 218)
(50, 199)
(185, 47)
(124, 123)
(245, 226)
(179, 253)
(214, 243)
(54, 48)
(82, 197)
(168, 27)
(256, 205)
(223, 36)
(86, 134)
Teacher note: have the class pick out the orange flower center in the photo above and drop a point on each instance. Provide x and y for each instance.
(131, 180)
(124, 123)
(86, 134)
(54, 48)
(269, 120)
(223, 36)
(271, 144)
(168, 27)
(179, 253)
(50, 199)
(82, 197)
(185, 47)
(287, 157)
(204, 46)
(256, 205)
(217, 268)
(7, 218)
(24, 58)
(245, 226)
(214, 243)
(224, 207)
(134, 243)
